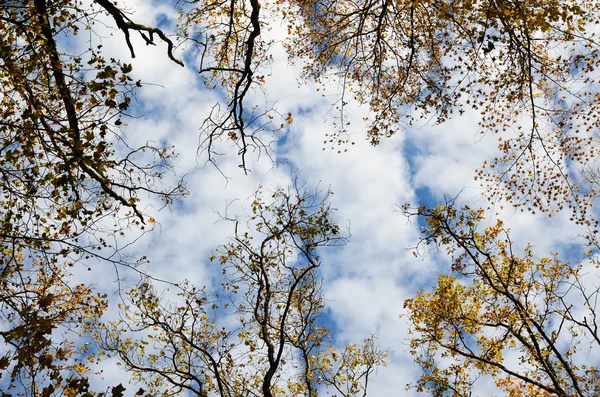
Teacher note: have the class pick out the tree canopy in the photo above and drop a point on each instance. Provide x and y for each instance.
(71, 184)
(272, 287)
(529, 70)
(518, 318)
(65, 173)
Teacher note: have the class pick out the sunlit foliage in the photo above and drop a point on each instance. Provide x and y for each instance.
(530, 323)
(44, 322)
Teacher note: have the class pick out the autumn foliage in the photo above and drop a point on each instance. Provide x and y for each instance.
(44, 318)
(527, 322)
(61, 181)
(528, 70)
(71, 186)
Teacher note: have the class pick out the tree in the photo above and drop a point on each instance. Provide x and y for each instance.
(519, 319)
(66, 169)
(43, 312)
(526, 70)
(65, 172)
(272, 290)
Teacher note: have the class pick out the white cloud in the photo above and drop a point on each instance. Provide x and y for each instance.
(367, 280)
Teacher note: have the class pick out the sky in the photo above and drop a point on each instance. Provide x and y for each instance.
(365, 281)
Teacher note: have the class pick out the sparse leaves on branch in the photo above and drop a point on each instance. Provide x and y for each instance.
(65, 173)
(263, 333)
(44, 322)
(529, 71)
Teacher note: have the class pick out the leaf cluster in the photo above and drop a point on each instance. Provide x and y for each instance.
(516, 318)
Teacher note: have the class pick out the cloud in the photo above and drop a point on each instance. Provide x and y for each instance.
(367, 280)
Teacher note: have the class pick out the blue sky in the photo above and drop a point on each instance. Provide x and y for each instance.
(366, 281)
